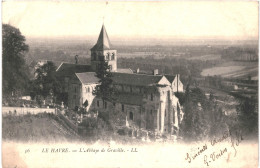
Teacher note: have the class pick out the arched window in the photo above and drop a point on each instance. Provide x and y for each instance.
(88, 89)
(113, 56)
(131, 116)
(108, 56)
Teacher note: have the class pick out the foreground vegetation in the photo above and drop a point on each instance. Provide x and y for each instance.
(49, 128)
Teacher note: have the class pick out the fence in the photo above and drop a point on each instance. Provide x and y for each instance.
(26, 110)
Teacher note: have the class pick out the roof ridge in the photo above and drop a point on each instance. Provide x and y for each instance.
(137, 74)
(59, 66)
(84, 72)
(73, 63)
(78, 78)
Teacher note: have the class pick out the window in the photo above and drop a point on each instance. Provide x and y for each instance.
(131, 89)
(151, 97)
(75, 89)
(113, 56)
(108, 56)
(151, 112)
(88, 89)
(110, 67)
(114, 104)
(97, 103)
(105, 104)
(123, 108)
(131, 116)
(94, 56)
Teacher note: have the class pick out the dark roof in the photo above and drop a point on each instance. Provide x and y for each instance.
(126, 70)
(103, 42)
(135, 79)
(87, 77)
(68, 69)
(170, 78)
(130, 99)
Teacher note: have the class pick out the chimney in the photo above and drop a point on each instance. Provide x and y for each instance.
(137, 70)
(155, 72)
(76, 59)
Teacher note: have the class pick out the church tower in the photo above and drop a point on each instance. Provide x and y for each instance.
(102, 51)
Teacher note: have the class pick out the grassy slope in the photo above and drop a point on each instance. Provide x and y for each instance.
(48, 128)
(42, 127)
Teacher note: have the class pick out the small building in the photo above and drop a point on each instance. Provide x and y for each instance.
(81, 89)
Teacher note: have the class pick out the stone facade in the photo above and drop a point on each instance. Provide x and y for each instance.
(153, 108)
(108, 55)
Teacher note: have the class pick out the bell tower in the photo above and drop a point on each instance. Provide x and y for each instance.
(102, 50)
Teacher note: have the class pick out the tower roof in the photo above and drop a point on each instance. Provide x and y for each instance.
(103, 42)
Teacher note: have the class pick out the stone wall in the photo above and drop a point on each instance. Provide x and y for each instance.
(25, 110)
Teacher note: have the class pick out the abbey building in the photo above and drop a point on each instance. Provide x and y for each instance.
(143, 101)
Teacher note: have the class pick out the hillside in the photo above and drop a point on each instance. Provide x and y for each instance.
(49, 128)
(41, 127)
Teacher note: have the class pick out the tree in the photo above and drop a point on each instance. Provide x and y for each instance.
(46, 82)
(15, 72)
(202, 117)
(105, 90)
(248, 116)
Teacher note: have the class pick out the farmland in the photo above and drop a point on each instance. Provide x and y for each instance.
(233, 69)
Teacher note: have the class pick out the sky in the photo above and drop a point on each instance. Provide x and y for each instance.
(153, 19)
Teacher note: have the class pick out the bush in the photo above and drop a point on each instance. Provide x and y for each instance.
(104, 116)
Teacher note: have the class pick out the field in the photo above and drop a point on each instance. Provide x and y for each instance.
(233, 70)
(206, 57)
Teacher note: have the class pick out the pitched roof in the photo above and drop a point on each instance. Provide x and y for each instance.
(126, 70)
(131, 99)
(68, 69)
(103, 42)
(87, 77)
(170, 78)
(135, 79)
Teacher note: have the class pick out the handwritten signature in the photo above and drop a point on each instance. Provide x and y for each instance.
(233, 138)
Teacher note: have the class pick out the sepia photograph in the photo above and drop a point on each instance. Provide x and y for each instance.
(130, 84)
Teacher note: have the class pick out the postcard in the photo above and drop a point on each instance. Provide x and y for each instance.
(129, 84)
